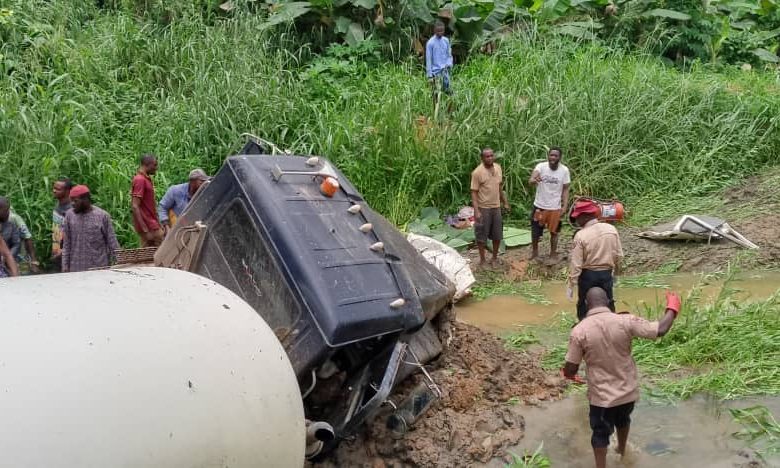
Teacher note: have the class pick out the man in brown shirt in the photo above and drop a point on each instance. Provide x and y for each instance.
(603, 340)
(595, 255)
(487, 196)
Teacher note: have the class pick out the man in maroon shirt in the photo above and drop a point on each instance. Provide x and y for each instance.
(145, 220)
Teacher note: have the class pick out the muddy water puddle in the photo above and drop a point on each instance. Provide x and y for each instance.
(691, 434)
(543, 301)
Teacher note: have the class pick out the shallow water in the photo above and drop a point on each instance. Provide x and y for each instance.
(504, 313)
(691, 434)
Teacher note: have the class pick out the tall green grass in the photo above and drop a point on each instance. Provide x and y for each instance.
(728, 349)
(84, 92)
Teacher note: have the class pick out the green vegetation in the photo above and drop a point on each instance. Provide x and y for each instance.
(84, 91)
(496, 285)
(680, 30)
(537, 459)
(729, 349)
(760, 429)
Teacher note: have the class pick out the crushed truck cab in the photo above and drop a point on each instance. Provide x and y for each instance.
(352, 302)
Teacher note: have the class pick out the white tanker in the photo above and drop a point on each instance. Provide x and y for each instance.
(142, 367)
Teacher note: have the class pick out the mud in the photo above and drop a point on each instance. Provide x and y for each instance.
(486, 389)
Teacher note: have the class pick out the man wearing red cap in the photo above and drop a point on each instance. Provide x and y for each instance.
(88, 239)
(603, 341)
(596, 253)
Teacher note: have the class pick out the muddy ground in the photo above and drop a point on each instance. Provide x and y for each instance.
(751, 208)
(485, 387)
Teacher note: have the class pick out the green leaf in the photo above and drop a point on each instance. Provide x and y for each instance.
(342, 24)
(286, 13)
(671, 14)
(575, 31)
(430, 212)
(467, 235)
(514, 237)
(554, 9)
(418, 227)
(354, 35)
(766, 55)
(495, 19)
(457, 243)
(419, 10)
(441, 237)
(367, 4)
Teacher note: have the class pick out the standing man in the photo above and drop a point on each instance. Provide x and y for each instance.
(7, 263)
(178, 197)
(552, 181)
(596, 253)
(88, 234)
(26, 237)
(604, 342)
(487, 196)
(61, 192)
(438, 63)
(144, 207)
(8, 229)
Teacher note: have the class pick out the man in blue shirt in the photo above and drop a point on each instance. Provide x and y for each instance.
(438, 62)
(178, 196)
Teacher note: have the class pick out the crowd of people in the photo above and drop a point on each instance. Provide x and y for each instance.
(82, 233)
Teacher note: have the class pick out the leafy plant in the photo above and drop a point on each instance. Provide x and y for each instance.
(760, 429)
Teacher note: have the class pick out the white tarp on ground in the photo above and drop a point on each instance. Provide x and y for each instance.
(447, 260)
(697, 228)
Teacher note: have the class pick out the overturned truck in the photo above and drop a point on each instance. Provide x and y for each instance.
(355, 306)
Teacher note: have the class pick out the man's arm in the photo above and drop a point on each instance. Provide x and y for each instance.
(65, 252)
(575, 264)
(165, 204)
(642, 328)
(10, 262)
(475, 204)
(137, 217)
(449, 54)
(429, 60)
(536, 177)
(573, 357)
(565, 197)
(502, 196)
(110, 238)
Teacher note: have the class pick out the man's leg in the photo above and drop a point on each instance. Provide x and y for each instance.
(536, 233)
(480, 233)
(601, 432)
(608, 284)
(553, 245)
(622, 420)
(496, 231)
(584, 282)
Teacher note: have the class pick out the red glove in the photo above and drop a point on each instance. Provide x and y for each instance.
(576, 379)
(673, 302)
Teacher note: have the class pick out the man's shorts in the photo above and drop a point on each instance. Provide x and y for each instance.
(603, 422)
(490, 225)
(537, 227)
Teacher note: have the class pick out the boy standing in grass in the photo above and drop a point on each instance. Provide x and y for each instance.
(603, 341)
(438, 62)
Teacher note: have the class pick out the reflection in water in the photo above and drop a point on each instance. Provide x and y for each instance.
(504, 313)
(693, 433)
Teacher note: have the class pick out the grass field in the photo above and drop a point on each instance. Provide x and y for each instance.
(84, 92)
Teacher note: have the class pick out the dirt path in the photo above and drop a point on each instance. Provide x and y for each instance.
(485, 389)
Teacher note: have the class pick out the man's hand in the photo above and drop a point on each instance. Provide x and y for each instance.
(149, 236)
(34, 267)
(673, 302)
(506, 206)
(574, 378)
(536, 178)
(570, 292)
(477, 215)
